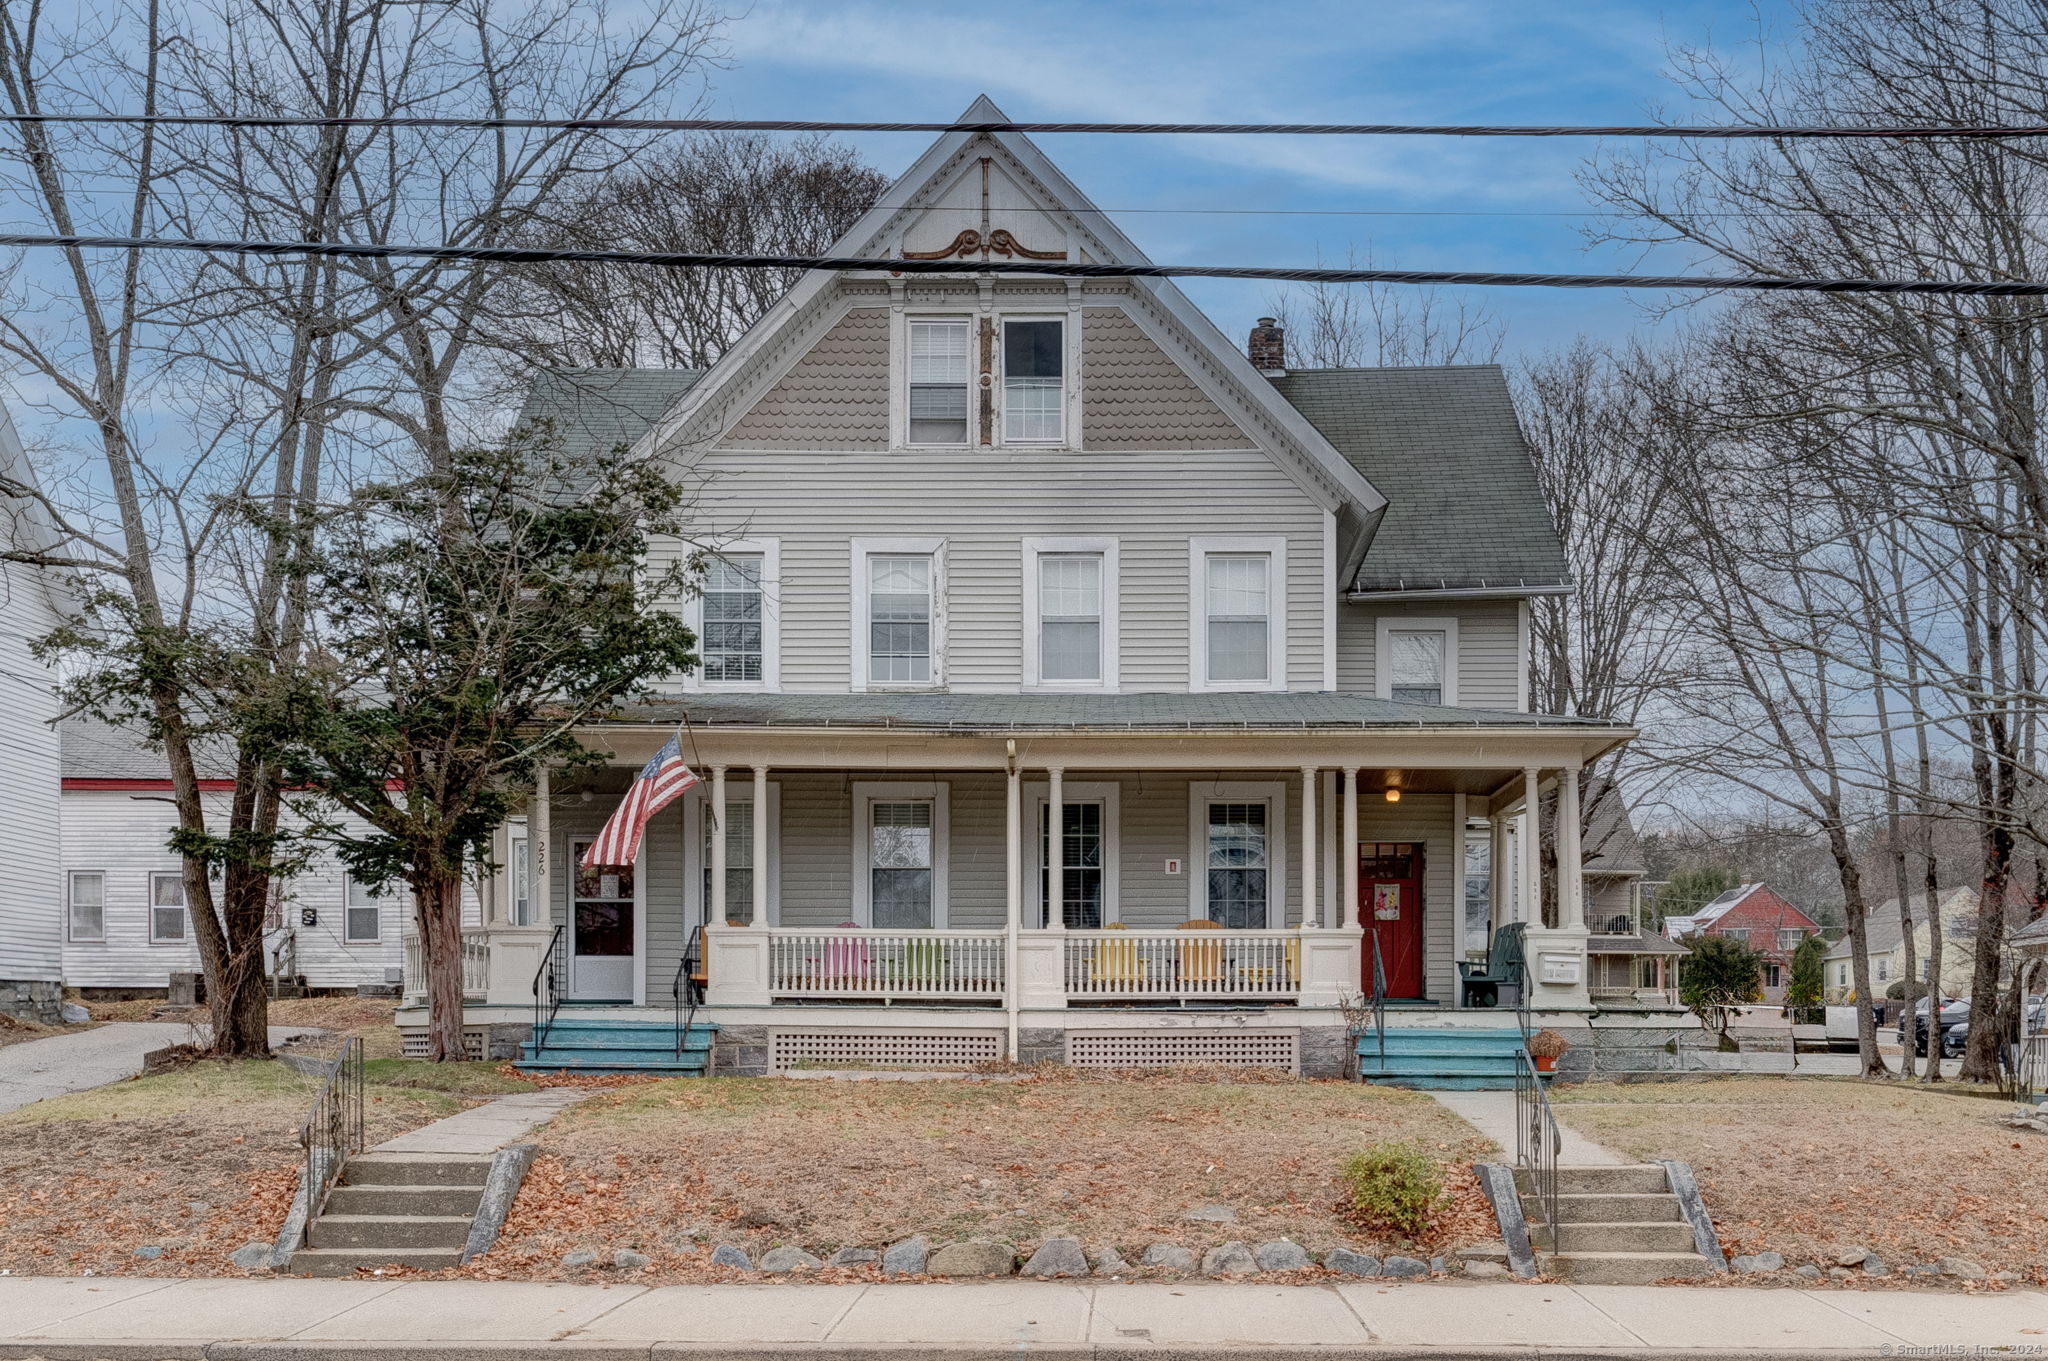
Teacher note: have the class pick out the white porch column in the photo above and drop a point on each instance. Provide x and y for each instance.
(760, 845)
(1532, 846)
(1347, 867)
(1013, 891)
(1461, 813)
(1571, 897)
(1500, 910)
(1055, 849)
(539, 848)
(1310, 869)
(718, 916)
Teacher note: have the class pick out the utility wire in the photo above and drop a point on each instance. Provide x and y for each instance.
(1737, 131)
(521, 255)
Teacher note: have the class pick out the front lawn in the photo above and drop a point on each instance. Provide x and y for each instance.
(1808, 1167)
(671, 1169)
(193, 1163)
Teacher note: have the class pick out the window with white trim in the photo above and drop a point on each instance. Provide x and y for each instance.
(1884, 969)
(1789, 937)
(739, 860)
(938, 380)
(86, 894)
(1070, 617)
(1415, 663)
(1034, 383)
(519, 872)
(1082, 859)
(362, 913)
(1238, 591)
(732, 638)
(1235, 864)
(900, 602)
(901, 863)
(166, 908)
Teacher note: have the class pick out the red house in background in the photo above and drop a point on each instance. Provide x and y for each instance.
(1759, 919)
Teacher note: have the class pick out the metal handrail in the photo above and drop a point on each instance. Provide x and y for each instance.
(1537, 1141)
(686, 993)
(1379, 1000)
(332, 1131)
(550, 974)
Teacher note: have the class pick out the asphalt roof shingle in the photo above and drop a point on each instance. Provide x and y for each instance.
(592, 411)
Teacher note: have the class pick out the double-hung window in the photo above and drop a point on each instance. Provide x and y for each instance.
(901, 863)
(362, 920)
(166, 908)
(1418, 660)
(900, 601)
(1239, 617)
(1789, 937)
(87, 896)
(520, 871)
(1235, 862)
(739, 861)
(1034, 389)
(733, 616)
(1070, 618)
(1081, 865)
(938, 381)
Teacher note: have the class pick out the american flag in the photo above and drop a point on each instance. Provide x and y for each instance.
(660, 783)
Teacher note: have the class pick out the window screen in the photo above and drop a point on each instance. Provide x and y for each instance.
(1237, 864)
(1415, 664)
(900, 864)
(1240, 616)
(1070, 617)
(88, 905)
(166, 907)
(900, 620)
(938, 382)
(732, 618)
(1033, 363)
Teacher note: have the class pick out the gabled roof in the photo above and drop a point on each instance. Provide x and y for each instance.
(590, 411)
(1958, 908)
(92, 750)
(1464, 511)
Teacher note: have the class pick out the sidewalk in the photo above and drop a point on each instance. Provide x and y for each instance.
(130, 1319)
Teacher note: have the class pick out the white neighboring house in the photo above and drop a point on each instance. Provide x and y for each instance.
(31, 941)
(124, 923)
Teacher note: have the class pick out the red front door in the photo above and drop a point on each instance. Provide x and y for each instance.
(1390, 901)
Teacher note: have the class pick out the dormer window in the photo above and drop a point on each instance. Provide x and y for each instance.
(1034, 381)
(938, 381)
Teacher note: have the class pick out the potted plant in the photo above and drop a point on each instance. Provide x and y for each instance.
(1546, 1046)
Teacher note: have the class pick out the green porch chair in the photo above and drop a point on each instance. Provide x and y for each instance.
(1479, 984)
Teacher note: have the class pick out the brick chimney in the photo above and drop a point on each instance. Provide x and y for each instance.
(1268, 348)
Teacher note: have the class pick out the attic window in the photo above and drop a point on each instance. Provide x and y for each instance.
(1034, 365)
(938, 382)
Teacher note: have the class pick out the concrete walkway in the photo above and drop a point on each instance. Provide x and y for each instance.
(486, 1128)
(140, 1318)
(1493, 1114)
(36, 1069)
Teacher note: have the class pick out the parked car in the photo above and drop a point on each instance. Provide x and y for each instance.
(1955, 1032)
(1954, 1011)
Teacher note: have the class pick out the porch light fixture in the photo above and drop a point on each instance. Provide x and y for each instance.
(1393, 794)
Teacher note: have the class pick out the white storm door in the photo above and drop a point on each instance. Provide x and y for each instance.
(602, 934)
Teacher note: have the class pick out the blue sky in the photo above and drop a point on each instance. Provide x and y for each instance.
(1433, 203)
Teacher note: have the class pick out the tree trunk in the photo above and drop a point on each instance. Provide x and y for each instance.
(439, 909)
(1857, 914)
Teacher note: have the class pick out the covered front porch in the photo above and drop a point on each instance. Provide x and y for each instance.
(875, 875)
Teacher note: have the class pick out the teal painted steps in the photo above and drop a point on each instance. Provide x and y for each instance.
(1441, 1059)
(598, 1046)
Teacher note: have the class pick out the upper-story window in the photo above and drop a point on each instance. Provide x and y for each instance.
(733, 615)
(1237, 633)
(938, 381)
(1070, 613)
(1034, 381)
(1418, 660)
(900, 619)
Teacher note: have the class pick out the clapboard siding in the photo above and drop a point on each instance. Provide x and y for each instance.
(1489, 647)
(124, 835)
(31, 896)
(983, 505)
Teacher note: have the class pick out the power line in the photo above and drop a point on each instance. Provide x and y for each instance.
(1062, 269)
(1723, 131)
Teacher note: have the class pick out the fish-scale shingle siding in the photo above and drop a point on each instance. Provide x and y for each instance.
(1135, 397)
(835, 397)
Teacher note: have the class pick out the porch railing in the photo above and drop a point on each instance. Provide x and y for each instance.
(860, 962)
(476, 964)
(1113, 964)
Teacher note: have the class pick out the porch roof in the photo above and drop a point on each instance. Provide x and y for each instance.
(1175, 713)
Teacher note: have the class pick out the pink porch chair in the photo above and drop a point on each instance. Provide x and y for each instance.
(846, 959)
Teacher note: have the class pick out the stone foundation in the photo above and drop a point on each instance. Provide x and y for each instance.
(1326, 1050)
(740, 1051)
(1041, 1044)
(32, 1000)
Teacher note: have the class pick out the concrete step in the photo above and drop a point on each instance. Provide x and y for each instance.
(415, 1169)
(1653, 1236)
(1455, 1041)
(645, 1032)
(1437, 1065)
(403, 1200)
(351, 1261)
(1432, 1082)
(389, 1231)
(1625, 1208)
(1622, 1268)
(1648, 1180)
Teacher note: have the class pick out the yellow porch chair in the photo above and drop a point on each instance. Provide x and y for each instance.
(1114, 965)
(1200, 961)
